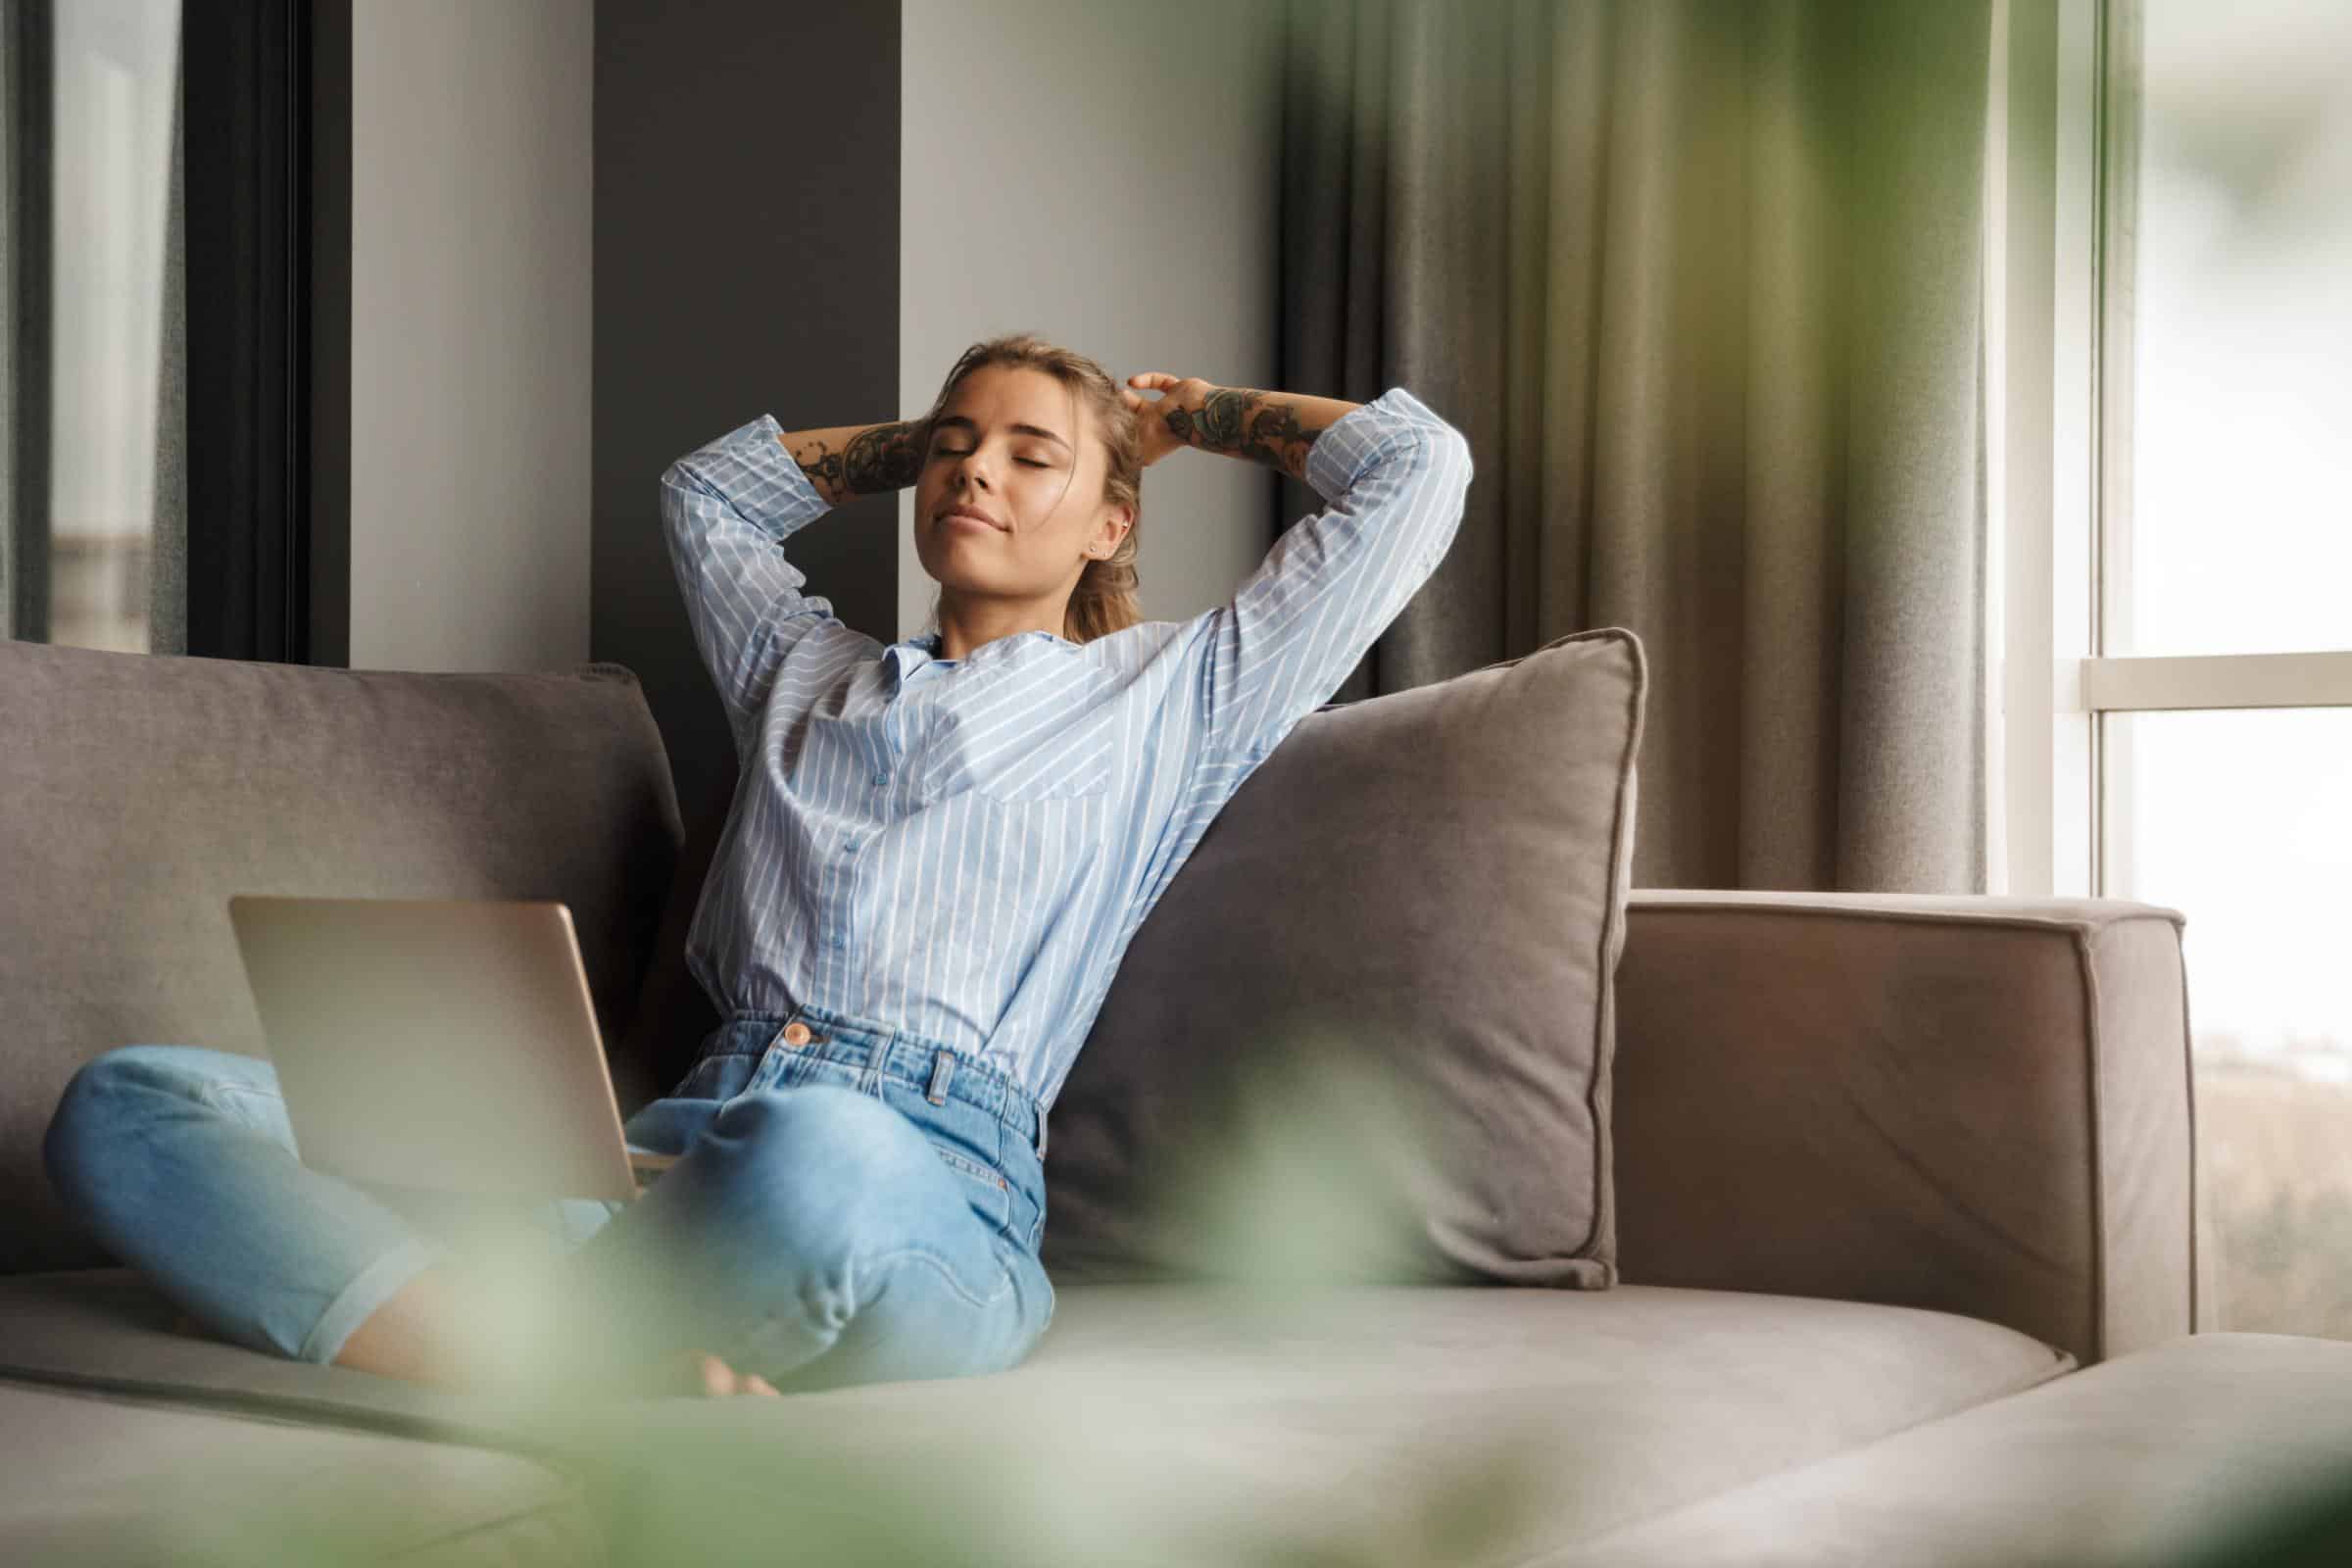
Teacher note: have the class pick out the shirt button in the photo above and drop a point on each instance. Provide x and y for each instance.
(880, 779)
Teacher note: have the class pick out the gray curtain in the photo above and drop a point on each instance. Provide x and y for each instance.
(25, 207)
(1702, 283)
(167, 552)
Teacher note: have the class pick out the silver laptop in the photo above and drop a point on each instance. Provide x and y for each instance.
(439, 1044)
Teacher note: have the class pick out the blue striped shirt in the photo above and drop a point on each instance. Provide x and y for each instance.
(964, 847)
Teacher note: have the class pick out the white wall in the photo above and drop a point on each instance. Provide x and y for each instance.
(471, 144)
(1106, 175)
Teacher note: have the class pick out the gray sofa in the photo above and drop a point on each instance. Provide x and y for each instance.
(1903, 1193)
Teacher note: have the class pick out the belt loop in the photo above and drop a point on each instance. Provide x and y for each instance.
(942, 1069)
(1041, 1132)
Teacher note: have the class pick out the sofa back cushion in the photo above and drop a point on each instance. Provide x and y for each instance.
(1402, 930)
(140, 792)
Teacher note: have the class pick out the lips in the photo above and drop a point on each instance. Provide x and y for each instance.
(973, 512)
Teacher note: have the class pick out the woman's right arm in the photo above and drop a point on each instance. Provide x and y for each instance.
(855, 460)
(728, 509)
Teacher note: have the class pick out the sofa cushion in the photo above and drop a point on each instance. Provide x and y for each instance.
(95, 1479)
(1409, 914)
(143, 790)
(1152, 1413)
(2209, 1448)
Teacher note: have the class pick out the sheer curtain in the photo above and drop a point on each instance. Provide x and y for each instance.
(93, 543)
(1701, 282)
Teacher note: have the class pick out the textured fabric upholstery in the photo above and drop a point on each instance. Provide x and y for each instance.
(1151, 1411)
(142, 791)
(1415, 901)
(1980, 1105)
(2213, 1449)
(94, 1479)
(1181, 1424)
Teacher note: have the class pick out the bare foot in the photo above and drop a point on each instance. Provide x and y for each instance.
(418, 1334)
(719, 1380)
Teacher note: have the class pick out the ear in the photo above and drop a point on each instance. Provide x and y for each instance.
(1124, 517)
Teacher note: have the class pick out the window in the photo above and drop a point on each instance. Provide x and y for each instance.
(118, 435)
(2179, 529)
(174, 386)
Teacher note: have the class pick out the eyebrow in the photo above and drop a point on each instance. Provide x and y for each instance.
(963, 423)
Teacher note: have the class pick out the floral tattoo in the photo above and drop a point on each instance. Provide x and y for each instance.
(1261, 426)
(880, 456)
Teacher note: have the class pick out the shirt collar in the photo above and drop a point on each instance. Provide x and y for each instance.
(906, 657)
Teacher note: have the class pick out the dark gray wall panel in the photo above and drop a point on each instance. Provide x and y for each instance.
(747, 263)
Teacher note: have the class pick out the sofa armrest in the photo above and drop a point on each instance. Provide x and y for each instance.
(1979, 1105)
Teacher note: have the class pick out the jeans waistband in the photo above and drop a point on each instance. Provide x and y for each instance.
(938, 1070)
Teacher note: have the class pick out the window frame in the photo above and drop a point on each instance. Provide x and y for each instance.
(267, 159)
(2064, 112)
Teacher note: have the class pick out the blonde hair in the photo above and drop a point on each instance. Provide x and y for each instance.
(1103, 600)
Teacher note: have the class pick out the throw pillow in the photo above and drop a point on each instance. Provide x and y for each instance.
(1369, 1022)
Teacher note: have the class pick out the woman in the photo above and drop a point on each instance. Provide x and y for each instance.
(936, 855)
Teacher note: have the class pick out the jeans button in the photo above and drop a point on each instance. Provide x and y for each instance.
(796, 1033)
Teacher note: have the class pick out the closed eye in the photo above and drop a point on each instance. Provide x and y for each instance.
(958, 452)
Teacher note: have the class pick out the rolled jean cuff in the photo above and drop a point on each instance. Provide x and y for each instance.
(377, 1284)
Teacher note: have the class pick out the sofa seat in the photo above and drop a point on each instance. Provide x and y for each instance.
(96, 1477)
(1154, 1411)
(2209, 1448)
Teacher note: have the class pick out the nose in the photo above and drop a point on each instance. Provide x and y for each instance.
(970, 467)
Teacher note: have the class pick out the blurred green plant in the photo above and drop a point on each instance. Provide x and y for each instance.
(1297, 1200)
(2307, 1526)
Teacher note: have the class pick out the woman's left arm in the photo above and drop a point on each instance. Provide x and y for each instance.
(1275, 428)
(1393, 477)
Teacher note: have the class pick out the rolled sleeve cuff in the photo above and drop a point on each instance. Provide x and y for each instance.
(750, 468)
(1358, 438)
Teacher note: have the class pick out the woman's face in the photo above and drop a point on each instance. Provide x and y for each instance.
(1019, 449)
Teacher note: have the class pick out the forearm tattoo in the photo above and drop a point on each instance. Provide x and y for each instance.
(880, 456)
(1263, 427)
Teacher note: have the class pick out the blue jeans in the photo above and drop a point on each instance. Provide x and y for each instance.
(864, 1206)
